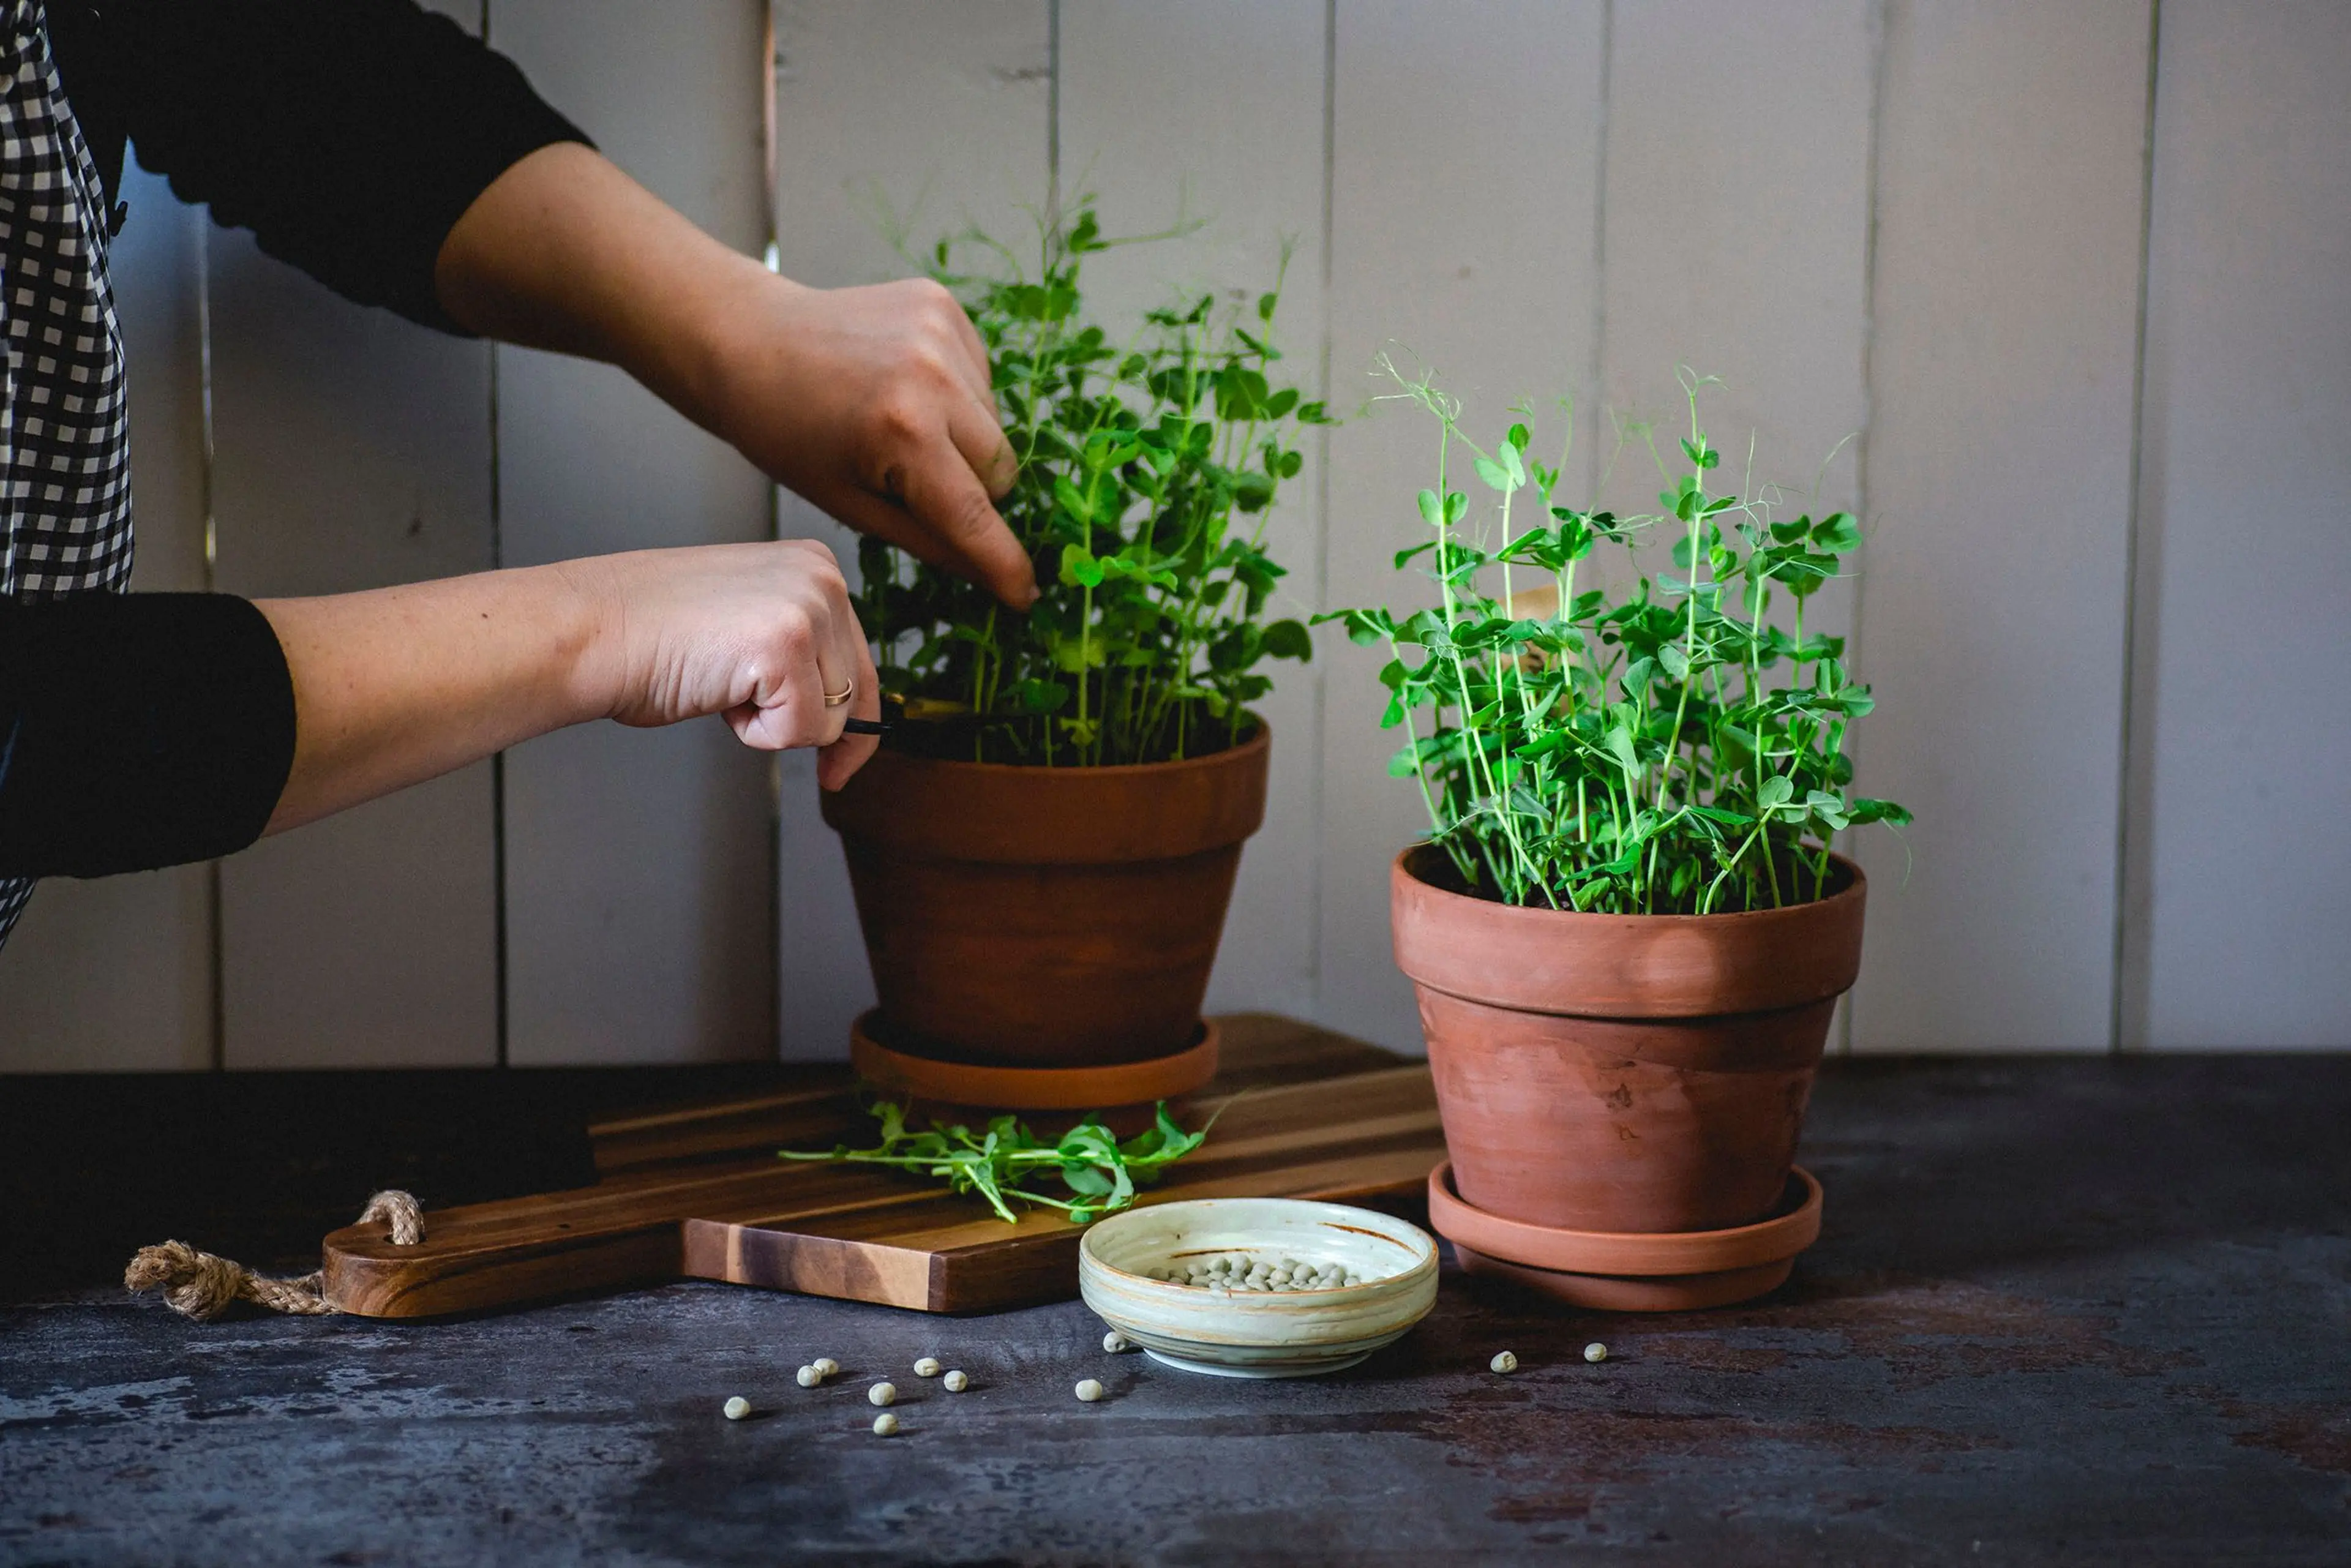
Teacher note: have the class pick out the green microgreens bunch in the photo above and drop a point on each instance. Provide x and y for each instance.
(1146, 470)
(1100, 1171)
(1667, 748)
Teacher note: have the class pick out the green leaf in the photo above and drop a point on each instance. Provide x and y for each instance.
(1776, 791)
(1496, 477)
(1289, 640)
(1432, 512)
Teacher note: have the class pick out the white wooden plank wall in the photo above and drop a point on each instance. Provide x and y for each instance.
(2242, 889)
(1995, 586)
(2102, 607)
(639, 863)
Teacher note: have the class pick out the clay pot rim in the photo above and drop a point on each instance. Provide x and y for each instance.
(1258, 741)
(1090, 1088)
(1855, 888)
(1783, 1234)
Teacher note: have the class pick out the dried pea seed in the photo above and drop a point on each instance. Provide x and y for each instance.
(1114, 1342)
(808, 1377)
(1090, 1390)
(825, 1365)
(883, 1394)
(928, 1367)
(1504, 1361)
(885, 1425)
(1595, 1350)
(957, 1382)
(737, 1408)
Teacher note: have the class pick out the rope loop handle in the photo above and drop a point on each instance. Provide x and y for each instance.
(201, 1286)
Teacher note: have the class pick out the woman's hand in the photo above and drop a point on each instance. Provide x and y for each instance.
(397, 685)
(871, 402)
(756, 632)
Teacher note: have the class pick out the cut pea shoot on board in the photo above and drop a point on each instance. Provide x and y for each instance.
(1101, 1172)
(1666, 749)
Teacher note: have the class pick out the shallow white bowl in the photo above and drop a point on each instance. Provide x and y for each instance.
(1257, 1334)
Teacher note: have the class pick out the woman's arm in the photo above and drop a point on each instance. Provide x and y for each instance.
(401, 685)
(872, 402)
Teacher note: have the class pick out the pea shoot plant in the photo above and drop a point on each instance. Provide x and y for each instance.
(1101, 1173)
(1146, 472)
(1669, 747)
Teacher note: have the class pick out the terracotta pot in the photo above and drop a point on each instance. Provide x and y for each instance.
(1617, 1072)
(1045, 916)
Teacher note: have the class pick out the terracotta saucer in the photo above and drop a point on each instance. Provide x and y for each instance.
(1665, 1271)
(1034, 1088)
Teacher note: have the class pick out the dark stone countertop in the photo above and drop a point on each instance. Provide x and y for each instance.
(2063, 1310)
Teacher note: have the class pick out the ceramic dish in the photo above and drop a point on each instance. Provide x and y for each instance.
(1257, 1334)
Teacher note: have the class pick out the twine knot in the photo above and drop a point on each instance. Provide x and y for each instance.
(198, 1285)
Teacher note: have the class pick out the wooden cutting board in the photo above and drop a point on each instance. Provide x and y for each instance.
(696, 1192)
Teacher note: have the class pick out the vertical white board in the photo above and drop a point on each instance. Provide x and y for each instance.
(2009, 216)
(2242, 901)
(1236, 137)
(639, 890)
(351, 449)
(940, 109)
(1464, 188)
(117, 973)
(1737, 223)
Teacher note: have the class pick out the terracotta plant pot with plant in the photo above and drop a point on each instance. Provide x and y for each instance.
(1626, 931)
(1043, 852)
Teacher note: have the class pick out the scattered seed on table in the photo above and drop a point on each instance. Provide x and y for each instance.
(957, 1382)
(1504, 1361)
(737, 1408)
(1595, 1350)
(825, 1365)
(1114, 1342)
(883, 1394)
(928, 1367)
(885, 1425)
(1090, 1390)
(808, 1377)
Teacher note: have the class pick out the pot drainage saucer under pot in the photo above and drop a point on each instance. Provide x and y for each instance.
(1002, 1088)
(1666, 1272)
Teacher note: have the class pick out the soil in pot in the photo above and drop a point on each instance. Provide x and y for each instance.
(1622, 1074)
(1046, 916)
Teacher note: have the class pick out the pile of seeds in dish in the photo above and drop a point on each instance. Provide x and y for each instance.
(1241, 1272)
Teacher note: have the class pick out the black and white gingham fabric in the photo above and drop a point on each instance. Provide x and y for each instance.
(64, 472)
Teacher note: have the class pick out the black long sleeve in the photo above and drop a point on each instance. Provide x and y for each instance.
(349, 135)
(138, 730)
